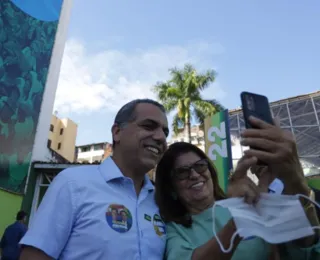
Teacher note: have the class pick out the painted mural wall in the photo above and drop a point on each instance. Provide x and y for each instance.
(27, 34)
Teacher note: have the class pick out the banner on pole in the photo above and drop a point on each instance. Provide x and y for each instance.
(218, 145)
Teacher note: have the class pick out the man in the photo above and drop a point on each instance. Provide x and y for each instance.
(11, 237)
(124, 216)
(72, 220)
(114, 214)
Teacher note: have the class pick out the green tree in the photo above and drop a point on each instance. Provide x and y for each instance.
(183, 93)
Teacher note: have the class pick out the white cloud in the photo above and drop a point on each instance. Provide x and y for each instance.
(110, 78)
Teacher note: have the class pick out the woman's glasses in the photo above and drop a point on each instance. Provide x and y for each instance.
(184, 172)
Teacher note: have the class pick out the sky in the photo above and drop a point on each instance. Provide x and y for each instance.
(117, 50)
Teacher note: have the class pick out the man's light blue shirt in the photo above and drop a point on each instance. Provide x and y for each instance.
(93, 212)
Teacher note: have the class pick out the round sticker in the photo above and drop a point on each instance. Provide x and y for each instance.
(119, 218)
(159, 225)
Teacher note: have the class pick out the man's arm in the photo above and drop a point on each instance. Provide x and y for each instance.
(53, 222)
(2, 243)
(32, 253)
(300, 186)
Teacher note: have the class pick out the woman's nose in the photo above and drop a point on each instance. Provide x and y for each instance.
(194, 174)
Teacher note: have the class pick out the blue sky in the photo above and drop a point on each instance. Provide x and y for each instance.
(116, 51)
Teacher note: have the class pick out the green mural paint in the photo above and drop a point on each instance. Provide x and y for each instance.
(218, 145)
(26, 45)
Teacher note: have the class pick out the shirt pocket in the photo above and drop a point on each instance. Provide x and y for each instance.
(154, 236)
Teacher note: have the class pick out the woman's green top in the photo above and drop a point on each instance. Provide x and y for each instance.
(181, 241)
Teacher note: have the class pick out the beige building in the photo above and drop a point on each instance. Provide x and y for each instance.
(62, 137)
(93, 153)
(197, 137)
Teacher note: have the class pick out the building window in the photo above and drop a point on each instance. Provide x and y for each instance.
(51, 128)
(85, 149)
(61, 131)
(201, 139)
(49, 143)
(98, 147)
(59, 146)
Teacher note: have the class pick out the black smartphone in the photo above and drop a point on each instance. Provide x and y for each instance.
(255, 105)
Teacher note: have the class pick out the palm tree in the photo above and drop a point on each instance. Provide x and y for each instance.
(183, 92)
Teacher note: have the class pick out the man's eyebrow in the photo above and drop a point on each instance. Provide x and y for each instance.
(153, 122)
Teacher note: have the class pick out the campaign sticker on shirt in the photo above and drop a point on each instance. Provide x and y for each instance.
(119, 218)
(147, 217)
(159, 225)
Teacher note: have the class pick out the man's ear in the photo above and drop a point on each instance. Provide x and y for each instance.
(115, 130)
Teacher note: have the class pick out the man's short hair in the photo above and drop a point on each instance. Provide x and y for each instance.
(21, 215)
(126, 113)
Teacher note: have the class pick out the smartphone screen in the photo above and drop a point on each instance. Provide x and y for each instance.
(257, 106)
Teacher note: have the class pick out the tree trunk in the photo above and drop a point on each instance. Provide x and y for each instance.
(187, 130)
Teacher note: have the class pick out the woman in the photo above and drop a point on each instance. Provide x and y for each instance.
(186, 189)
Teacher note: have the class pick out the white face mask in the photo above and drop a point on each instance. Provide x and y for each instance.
(276, 218)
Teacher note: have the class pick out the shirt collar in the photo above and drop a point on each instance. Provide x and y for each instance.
(110, 171)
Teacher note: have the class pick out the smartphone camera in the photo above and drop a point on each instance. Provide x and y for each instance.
(250, 102)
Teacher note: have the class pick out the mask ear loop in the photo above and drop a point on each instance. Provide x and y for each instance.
(313, 202)
(228, 250)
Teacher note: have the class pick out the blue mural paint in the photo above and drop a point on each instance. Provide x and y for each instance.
(43, 10)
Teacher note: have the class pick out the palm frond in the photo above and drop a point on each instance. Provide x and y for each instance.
(191, 83)
(177, 78)
(195, 82)
(188, 68)
(165, 91)
(199, 116)
(207, 107)
(169, 105)
(173, 93)
(177, 124)
(215, 103)
(160, 89)
(204, 80)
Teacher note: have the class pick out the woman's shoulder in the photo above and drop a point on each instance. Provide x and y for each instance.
(173, 226)
(221, 214)
(176, 231)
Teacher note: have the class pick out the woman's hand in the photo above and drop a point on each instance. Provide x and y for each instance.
(240, 185)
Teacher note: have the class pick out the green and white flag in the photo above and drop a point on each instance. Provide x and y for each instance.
(218, 145)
